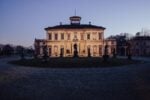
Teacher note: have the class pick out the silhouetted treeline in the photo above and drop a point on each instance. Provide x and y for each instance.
(8, 50)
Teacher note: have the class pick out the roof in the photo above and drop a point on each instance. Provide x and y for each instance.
(75, 18)
(111, 39)
(80, 26)
(141, 38)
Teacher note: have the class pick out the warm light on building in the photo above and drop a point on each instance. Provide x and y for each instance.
(61, 39)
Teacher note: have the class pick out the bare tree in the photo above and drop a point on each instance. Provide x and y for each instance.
(129, 55)
(7, 50)
(20, 51)
(114, 53)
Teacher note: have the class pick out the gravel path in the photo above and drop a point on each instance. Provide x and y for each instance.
(118, 83)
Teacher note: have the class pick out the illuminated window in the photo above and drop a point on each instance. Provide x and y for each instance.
(56, 50)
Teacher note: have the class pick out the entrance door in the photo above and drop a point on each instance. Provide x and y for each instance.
(89, 51)
(61, 52)
(50, 51)
(75, 46)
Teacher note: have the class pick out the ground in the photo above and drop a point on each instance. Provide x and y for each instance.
(130, 82)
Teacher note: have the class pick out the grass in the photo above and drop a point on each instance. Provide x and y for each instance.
(74, 62)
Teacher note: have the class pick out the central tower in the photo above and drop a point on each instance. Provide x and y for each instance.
(75, 20)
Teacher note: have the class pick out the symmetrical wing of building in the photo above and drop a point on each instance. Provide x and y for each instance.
(62, 39)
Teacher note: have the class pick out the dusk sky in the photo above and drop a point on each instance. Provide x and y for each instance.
(21, 21)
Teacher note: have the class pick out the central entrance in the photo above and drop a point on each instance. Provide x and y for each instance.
(75, 46)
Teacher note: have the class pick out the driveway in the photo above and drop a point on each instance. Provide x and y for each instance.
(118, 83)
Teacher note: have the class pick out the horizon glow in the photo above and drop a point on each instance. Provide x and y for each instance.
(22, 21)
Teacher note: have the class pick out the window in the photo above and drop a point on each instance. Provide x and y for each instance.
(88, 36)
(62, 36)
(88, 51)
(100, 36)
(68, 36)
(67, 51)
(50, 36)
(82, 36)
(112, 50)
(50, 51)
(56, 36)
(56, 50)
(100, 50)
(61, 50)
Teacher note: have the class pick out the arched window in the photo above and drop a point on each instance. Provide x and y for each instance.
(94, 49)
(61, 50)
(56, 50)
(50, 50)
(88, 51)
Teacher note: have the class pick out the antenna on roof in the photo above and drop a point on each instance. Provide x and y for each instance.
(90, 23)
(75, 12)
(60, 23)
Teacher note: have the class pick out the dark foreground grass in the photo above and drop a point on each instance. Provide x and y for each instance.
(74, 62)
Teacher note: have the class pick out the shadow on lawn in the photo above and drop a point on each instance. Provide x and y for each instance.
(74, 62)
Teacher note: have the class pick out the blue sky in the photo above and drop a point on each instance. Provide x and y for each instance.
(21, 21)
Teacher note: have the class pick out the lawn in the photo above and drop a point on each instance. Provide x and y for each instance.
(74, 62)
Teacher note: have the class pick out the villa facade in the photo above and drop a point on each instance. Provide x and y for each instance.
(62, 40)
